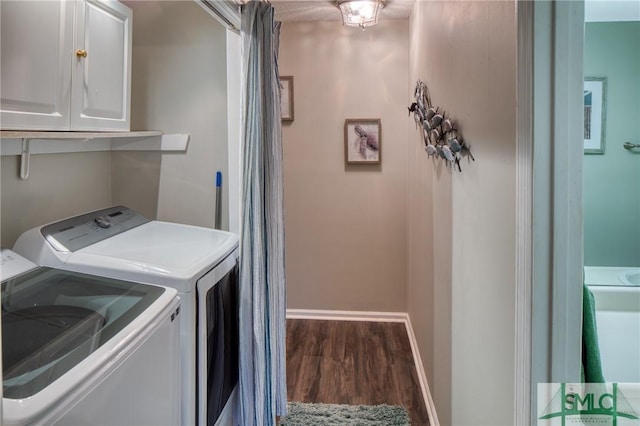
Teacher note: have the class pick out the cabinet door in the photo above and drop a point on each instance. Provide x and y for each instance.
(100, 85)
(36, 48)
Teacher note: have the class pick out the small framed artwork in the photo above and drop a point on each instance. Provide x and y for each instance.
(595, 109)
(362, 141)
(286, 98)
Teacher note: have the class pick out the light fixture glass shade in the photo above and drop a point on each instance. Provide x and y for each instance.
(360, 13)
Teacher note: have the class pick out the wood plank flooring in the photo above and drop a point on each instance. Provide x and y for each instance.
(350, 362)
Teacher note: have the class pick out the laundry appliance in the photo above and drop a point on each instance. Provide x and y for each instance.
(200, 263)
(84, 350)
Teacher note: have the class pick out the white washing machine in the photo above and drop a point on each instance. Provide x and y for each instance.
(200, 263)
(84, 350)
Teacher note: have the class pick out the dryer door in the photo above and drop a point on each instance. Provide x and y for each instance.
(217, 339)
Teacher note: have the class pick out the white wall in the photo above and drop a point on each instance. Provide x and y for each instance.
(179, 85)
(234, 126)
(59, 186)
(346, 225)
(465, 52)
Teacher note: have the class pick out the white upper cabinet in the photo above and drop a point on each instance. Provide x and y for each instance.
(66, 65)
(35, 79)
(101, 80)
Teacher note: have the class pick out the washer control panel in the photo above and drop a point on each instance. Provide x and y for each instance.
(81, 231)
(102, 222)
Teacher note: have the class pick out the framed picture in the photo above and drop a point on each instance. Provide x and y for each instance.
(362, 141)
(286, 98)
(595, 109)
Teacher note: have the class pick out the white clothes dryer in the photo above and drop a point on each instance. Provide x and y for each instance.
(200, 263)
(85, 350)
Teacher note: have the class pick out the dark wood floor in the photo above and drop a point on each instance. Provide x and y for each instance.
(349, 362)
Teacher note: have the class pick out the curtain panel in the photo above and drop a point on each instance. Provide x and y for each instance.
(263, 394)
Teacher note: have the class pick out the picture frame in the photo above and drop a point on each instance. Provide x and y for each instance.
(363, 141)
(595, 109)
(286, 98)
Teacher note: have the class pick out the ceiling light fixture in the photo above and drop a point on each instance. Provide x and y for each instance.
(360, 13)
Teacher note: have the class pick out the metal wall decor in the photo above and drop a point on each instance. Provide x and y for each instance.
(441, 137)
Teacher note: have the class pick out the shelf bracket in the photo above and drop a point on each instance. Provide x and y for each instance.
(25, 158)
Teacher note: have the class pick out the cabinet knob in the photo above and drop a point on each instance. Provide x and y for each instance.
(80, 53)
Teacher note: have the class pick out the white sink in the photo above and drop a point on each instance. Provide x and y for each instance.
(631, 277)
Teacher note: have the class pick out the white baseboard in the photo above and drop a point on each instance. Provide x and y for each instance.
(346, 315)
(402, 317)
(422, 376)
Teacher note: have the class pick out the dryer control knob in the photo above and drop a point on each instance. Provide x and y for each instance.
(102, 222)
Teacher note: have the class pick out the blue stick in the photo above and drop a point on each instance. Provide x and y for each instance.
(218, 221)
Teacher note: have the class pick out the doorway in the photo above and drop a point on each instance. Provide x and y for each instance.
(611, 182)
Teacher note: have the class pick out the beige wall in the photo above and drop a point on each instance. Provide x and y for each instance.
(179, 85)
(465, 53)
(434, 343)
(135, 179)
(59, 186)
(346, 226)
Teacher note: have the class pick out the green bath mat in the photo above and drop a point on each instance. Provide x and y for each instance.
(306, 414)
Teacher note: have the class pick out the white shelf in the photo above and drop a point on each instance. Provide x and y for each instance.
(64, 142)
(12, 134)
(26, 144)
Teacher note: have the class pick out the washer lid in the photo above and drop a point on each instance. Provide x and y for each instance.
(157, 252)
(12, 264)
(53, 320)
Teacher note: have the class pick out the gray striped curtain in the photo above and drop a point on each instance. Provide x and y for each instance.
(263, 390)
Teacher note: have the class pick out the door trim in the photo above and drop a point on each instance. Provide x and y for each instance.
(524, 211)
(549, 199)
(567, 191)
